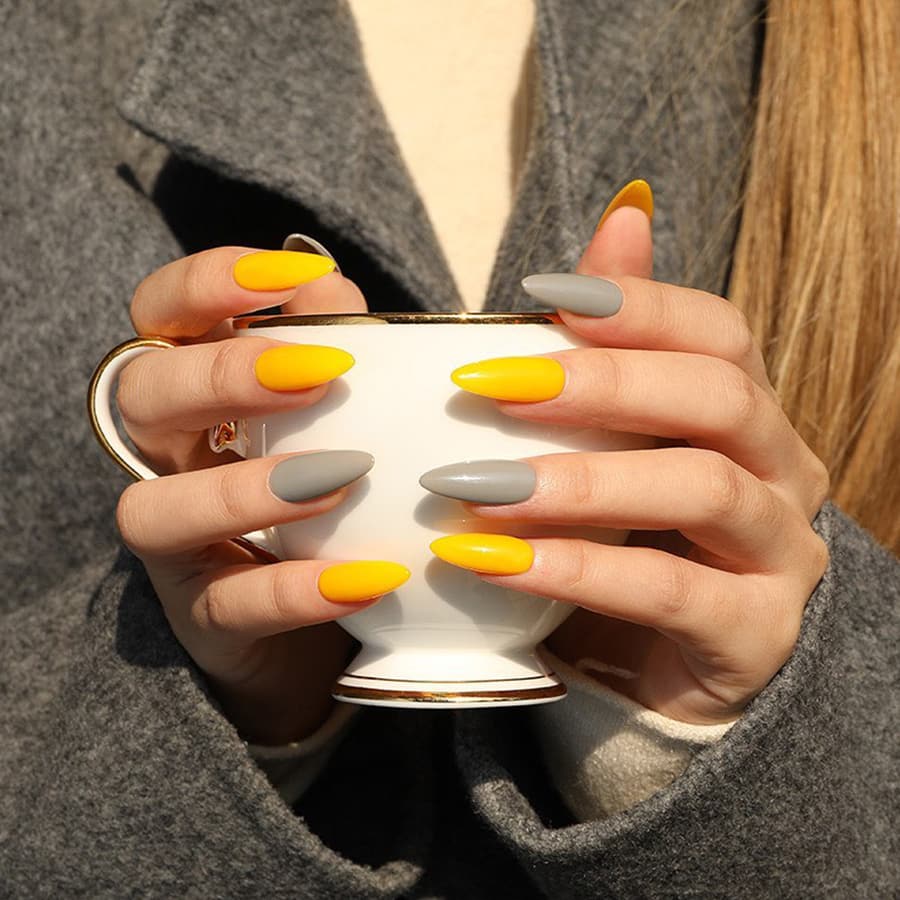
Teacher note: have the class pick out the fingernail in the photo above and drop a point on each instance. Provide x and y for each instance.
(583, 294)
(492, 554)
(636, 193)
(294, 367)
(527, 379)
(278, 270)
(353, 582)
(482, 481)
(315, 474)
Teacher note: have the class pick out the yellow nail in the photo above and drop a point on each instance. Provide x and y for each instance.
(492, 554)
(278, 270)
(527, 379)
(353, 582)
(294, 367)
(636, 193)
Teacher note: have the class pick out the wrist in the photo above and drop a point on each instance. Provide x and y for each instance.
(288, 698)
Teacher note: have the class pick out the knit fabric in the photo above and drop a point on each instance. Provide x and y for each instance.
(119, 776)
(606, 753)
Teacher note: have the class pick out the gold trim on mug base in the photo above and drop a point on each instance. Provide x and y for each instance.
(456, 699)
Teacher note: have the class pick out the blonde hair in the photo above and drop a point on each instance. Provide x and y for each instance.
(817, 262)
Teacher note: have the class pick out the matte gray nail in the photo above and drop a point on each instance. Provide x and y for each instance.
(581, 294)
(482, 481)
(314, 474)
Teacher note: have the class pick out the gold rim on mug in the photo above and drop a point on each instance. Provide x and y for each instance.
(399, 318)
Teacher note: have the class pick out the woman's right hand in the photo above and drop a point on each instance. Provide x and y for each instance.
(262, 633)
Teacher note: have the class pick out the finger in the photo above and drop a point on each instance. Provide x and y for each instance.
(706, 609)
(710, 403)
(330, 294)
(622, 246)
(708, 498)
(634, 313)
(252, 602)
(189, 297)
(175, 515)
(196, 387)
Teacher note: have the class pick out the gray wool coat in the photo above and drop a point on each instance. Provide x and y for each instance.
(134, 132)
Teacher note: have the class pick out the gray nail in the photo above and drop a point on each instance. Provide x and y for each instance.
(581, 294)
(314, 474)
(482, 481)
(306, 244)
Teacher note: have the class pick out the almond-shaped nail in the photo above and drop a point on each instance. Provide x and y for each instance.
(279, 270)
(636, 193)
(311, 475)
(526, 379)
(295, 367)
(582, 294)
(482, 481)
(492, 554)
(353, 582)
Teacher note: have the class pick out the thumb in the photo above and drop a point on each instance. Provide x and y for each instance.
(623, 241)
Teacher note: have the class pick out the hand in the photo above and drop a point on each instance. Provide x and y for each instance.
(692, 631)
(262, 633)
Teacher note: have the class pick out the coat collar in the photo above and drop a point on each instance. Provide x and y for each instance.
(281, 98)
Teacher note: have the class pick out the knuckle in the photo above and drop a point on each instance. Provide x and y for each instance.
(283, 595)
(742, 343)
(211, 613)
(575, 575)
(611, 376)
(228, 501)
(674, 595)
(129, 517)
(741, 396)
(582, 488)
(129, 393)
(662, 321)
(196, 278)
(725, 486)
(221, 372)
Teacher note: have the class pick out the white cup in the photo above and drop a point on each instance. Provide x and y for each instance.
(445, 637)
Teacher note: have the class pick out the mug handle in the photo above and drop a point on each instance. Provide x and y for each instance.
(100, 403)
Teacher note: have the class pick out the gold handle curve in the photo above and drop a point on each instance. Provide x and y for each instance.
(100, 416)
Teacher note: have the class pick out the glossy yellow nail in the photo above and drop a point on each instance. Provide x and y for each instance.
(353, 582)
(527, 379)
(636, 193)
(491, 554)
(295, 367)
(279, 270)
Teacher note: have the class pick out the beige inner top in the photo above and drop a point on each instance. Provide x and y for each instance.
(452, 78)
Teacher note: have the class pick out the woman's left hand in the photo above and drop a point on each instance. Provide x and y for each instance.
(696, 632)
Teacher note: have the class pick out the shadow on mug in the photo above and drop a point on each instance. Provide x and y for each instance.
(444, 514)
(493, 610)
(315, 532)
(337, 395)
(475, 410)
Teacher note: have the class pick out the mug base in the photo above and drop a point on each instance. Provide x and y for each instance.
(373, 691)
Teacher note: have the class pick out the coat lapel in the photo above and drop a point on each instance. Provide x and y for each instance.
(278, 95)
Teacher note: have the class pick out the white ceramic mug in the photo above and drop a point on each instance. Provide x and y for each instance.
(445, 637)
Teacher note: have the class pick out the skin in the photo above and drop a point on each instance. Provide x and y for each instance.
(701, 609)
(704, 606)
